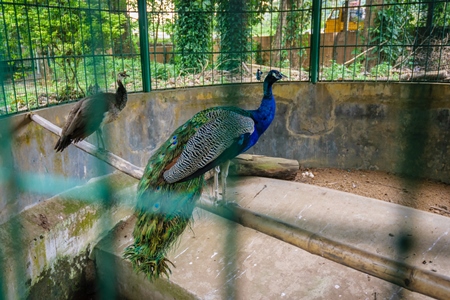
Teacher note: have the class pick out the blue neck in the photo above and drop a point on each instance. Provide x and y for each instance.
(264, 115)
(267, 89)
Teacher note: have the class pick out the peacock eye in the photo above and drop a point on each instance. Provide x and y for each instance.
(156, 206)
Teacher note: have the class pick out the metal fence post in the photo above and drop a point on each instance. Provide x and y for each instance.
(143, 42)
(315, 42)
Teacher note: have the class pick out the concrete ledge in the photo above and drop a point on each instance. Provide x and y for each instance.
(44, 250)
(219, 259)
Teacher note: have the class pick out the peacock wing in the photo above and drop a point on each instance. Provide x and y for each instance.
(221, 137)
(71, 117)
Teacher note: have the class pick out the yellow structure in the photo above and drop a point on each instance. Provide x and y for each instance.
(336, 20)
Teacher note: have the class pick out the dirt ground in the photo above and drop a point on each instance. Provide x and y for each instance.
(425, 195)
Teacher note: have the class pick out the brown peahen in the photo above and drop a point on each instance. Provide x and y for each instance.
(173, 178)
(89, 114)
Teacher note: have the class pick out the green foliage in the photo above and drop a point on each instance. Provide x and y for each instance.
(159, 19)
(341, 72)
(383, 70)
(257, 53)
(163, 71)
(393, 25)
(258, 9)
(192, 35)
(440, 13)
(64, 29)
(234, 30)
(298, 21)
(68, 93)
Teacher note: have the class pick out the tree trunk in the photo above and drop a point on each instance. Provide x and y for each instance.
(287, 33)
(275, 55)
(369, 21)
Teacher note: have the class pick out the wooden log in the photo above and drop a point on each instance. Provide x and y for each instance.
(264, 166)
(425, 76)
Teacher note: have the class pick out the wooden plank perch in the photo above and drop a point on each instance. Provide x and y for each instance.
(244, 164)
(111, 159)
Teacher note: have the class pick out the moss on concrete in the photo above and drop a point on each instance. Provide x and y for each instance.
(85, 222)
(67, 279)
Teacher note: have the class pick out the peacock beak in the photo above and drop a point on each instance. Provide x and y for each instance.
(282, 76)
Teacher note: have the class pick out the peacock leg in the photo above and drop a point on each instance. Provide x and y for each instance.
(216, 184)
(99, 134)
(224, 175)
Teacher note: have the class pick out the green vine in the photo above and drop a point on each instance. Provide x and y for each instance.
(393, 29)
(297, 22)
(234, 29)
(192, 35)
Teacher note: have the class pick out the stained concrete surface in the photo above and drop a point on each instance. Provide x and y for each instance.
(218, 259)
(394, 127)
(44, 250)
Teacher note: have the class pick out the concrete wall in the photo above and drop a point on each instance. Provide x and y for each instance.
(45, 250)
(393, 127)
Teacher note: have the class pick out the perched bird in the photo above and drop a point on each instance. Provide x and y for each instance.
(258, 74)
(90, 113)
(174, 176)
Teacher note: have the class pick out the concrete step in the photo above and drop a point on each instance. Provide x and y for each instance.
(219, 259)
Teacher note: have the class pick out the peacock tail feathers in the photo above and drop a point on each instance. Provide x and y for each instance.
(162, 215)
(164, 209)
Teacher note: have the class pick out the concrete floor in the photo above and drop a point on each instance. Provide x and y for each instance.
(219, 259)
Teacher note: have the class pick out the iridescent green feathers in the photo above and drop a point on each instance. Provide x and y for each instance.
(166, 193)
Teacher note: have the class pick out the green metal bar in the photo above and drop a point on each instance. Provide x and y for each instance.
(143, 42)
(315, 41)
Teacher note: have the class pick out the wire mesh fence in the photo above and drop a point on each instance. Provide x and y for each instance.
(58, 51)
(53, 52)
(386, 40)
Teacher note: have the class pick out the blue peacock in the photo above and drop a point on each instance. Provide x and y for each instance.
(173, 178)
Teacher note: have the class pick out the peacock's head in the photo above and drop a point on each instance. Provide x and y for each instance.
(122, 75)
(274, 76)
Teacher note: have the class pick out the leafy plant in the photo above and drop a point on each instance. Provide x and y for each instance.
(164, 71)
(66, 30)
(234, 30)
(341, 72)
(393, 28)
(192, 35)
(381, 69)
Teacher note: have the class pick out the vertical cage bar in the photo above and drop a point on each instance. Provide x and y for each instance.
(143, 42)
(315, 41)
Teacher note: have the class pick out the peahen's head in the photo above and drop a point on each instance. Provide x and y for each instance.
(122, 75)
